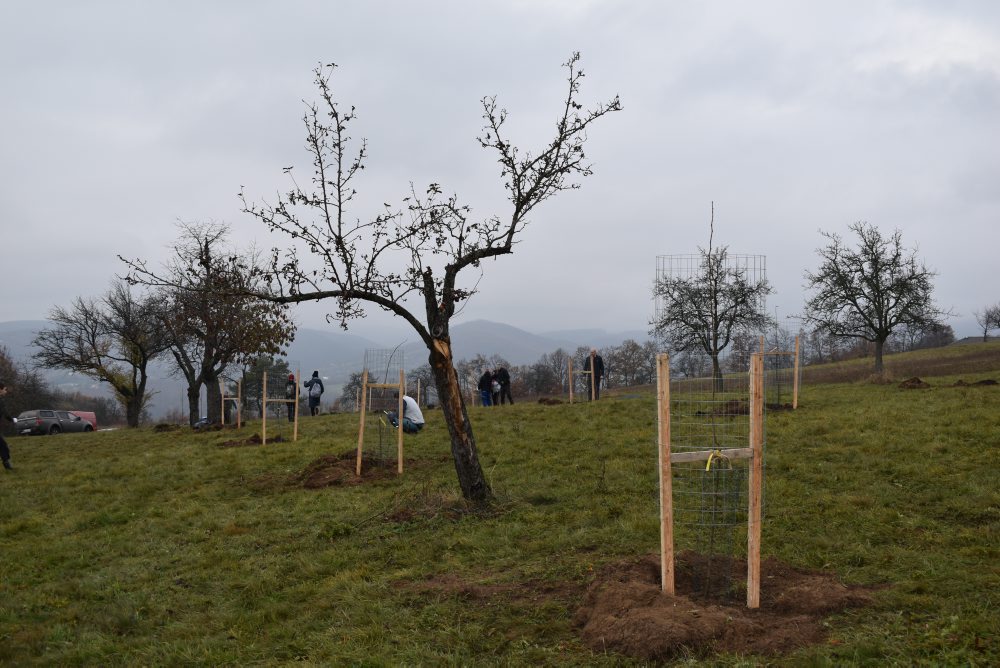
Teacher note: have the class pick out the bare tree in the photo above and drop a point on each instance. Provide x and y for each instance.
(707, 310)
(867, 292)
(112, 340)
(209, 321)
(988, 319)
(422, 250)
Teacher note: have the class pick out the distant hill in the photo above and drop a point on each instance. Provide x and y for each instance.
(335, 354)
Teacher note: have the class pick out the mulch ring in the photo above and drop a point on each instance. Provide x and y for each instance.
(550, 401)
(334, 471)
(913, 384)
(625, 611)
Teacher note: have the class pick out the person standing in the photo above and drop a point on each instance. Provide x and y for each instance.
(4, 450)
(290, 386)
(495, 387)
(316, 389)
(413, 419)
(486, 387)
(595, 365)
(503, 376)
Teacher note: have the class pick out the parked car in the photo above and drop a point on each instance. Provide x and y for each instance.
(55, 422)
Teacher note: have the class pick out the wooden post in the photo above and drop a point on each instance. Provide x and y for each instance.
(295, 426)
(418, 392)
(357, 400)
(239, 404)
(795, 377)
(666, 479)
(570, 364)
(222, 394)
(361, 429)
(756, 475)
(593, 377)
(399, 423)
(263, 412)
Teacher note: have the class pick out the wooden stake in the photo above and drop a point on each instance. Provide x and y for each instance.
(295, 426)
(361, 429)
(239, 404)
(570, 364)
(593, 378)
(666, 479)
(399, 423)
(263, 416)
(756, 475)
(222, 393)
(795, 377)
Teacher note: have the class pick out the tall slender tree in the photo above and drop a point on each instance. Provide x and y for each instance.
(421, 250)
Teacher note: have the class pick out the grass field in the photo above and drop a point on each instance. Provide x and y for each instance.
(146, 548)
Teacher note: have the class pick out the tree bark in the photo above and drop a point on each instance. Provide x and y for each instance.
(717, 382)
(133, 410)
(214, 399)
(878, 357)
(463, 443)
(194, 399)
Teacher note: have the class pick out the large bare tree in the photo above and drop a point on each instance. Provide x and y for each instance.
(869, 291)
(112, 339)
(421, 249)
(209, 320)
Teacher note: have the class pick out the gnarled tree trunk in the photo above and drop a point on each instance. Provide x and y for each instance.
(463, 443)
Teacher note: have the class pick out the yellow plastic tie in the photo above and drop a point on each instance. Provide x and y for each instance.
(717, 455)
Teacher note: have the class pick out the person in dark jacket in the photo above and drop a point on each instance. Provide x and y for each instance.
(503, 377)
(290, 386)
(594, 379)
(316, 389)
(486, 387)
(4, 450)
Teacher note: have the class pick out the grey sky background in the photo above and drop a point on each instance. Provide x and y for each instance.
(120, 118)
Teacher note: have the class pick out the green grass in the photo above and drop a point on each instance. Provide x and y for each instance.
(144, 548)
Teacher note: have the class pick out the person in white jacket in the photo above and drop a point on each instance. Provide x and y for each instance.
(413, 419)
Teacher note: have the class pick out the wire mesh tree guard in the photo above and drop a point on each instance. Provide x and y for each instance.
(711, 465)
(383, 384)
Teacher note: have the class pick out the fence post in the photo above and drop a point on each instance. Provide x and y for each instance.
(666, 479)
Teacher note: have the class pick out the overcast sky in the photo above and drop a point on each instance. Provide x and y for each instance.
(121, 118)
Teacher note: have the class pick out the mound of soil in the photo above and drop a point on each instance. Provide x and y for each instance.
(253, 440)
(166, 426)
(980, 383)
(625, 611)
(332, 471)
(548, 401)
(913, 384)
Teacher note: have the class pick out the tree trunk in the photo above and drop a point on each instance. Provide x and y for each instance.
(878, 357)
(194, 399)
(717, 374)
(133, 410)
(463, 443)
(214, 398)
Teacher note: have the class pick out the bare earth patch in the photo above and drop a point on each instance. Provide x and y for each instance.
(913, 384)
(332, 471)
(625, 611)
(253, 440)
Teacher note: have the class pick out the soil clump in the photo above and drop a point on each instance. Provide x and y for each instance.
(625, 611)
